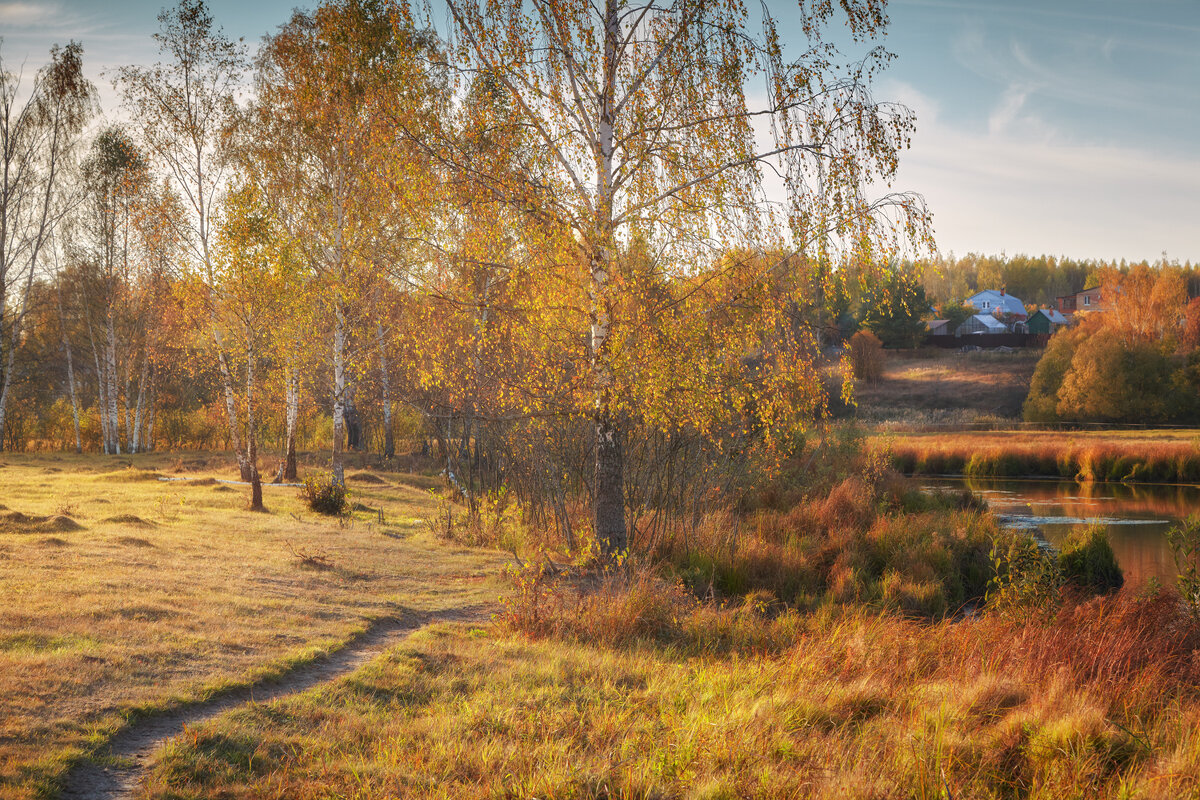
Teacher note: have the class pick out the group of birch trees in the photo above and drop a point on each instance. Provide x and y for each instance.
(583, 241)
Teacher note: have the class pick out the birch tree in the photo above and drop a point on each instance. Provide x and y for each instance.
(115, 176)
(328, 152)
(37, 142)
(254, 270)
(648, 119)
(183, 106)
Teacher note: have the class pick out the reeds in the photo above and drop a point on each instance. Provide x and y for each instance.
(1131, 462)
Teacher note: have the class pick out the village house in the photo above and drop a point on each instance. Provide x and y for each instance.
(1046, 320)
(1087, 300)
(998, 303)
(938, 327)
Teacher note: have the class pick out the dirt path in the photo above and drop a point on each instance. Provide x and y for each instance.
(139, 741)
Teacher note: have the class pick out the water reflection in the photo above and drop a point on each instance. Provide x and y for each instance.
(1136, 516)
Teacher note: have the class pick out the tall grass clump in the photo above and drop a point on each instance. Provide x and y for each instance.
(863, 541)
(324, 495)
(1088, 563)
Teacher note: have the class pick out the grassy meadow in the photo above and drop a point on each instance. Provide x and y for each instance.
(933, 386)
(827, 706)
(121, 594)
(820, 657)
(837, 637)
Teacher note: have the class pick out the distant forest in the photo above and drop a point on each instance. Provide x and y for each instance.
(1035, 280)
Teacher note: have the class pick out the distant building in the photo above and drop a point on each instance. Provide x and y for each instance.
(981, 323)
(1087, 300)
(938, 327)
(998, 303)
(1046, 320)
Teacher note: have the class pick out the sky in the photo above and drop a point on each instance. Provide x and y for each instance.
(1060, 127)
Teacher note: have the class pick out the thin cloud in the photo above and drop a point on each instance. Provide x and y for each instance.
(28, 13)
(1009, 108)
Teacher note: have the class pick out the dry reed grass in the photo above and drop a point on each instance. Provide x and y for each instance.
(1136, 457)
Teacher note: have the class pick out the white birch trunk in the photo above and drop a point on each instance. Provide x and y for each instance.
(130, 434)
(389, 443)
(231, 414)
(293, 416)
(141, 403)
(101, 392)
(609, 500)
(151, 403)
(110, 364)
(339, 393)
(8, 368)
(74, 396)
(66, 345)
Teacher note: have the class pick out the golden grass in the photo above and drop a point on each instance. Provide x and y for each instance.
(1149, 456)
(852, 705)
(121, 594)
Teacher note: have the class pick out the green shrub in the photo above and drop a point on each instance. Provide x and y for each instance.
(1184, 540)
(324, 495)
(1027, 576)
(1088, 564)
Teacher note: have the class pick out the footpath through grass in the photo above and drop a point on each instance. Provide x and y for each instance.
(121, 594)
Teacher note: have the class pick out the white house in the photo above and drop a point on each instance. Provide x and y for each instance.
(990, 301)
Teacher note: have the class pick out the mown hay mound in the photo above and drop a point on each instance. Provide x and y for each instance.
(366, 477)
(134, 541)
(202, 482)
(61, 523)
(129, 519)
(16, 522)
(223, 488)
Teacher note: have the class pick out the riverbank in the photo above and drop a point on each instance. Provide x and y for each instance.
(1144, 456)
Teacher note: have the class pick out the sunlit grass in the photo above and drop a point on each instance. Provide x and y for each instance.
(853, 705)
(1150, 456)
(159, 593)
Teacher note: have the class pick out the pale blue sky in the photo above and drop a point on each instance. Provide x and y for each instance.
(1063, 126)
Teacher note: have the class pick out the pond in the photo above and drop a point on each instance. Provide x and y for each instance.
(1137, 517)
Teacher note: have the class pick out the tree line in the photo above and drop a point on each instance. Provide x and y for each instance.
(1037, 280)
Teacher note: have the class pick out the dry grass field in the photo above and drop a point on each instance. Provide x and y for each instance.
(1099, 703)
(946, 386)
(121, 594)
